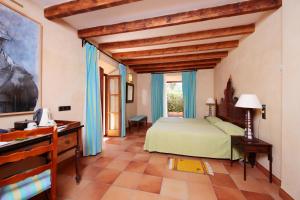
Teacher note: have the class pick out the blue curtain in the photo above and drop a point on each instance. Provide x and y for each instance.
(93, 119)
(189, 94)
(157, 96)
(122, 69)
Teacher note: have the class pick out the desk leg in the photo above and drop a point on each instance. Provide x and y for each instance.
(77, 159)
(270, 158)
(245, 157)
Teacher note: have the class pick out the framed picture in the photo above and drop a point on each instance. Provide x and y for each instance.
(129, 93)
(20, 62)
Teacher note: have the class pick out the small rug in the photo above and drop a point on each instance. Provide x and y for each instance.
(189, 165)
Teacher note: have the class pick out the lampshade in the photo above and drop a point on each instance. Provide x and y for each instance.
(210, 101)
(248, 101)
(129, 77)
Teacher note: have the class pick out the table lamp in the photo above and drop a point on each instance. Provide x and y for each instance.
(248, 101)
(210, 102)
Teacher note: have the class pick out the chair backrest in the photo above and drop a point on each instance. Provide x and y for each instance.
(50, 148)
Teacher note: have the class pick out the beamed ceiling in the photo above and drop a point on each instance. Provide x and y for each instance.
(163, 36)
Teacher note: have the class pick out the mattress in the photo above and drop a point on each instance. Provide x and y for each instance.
(191, 137)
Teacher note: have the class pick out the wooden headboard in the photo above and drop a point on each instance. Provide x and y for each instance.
(226, 110)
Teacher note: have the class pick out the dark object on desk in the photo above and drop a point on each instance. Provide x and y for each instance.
(69, 138)
(3, 131)
(21, 125)
(250, 149)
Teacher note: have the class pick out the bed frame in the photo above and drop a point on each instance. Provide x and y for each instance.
(226, 109)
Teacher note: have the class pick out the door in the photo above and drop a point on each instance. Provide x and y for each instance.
(113, 105)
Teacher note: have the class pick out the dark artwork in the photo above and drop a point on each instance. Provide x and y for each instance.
(18, 62)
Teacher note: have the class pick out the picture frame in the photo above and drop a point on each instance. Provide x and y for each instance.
(129, 92)
(20, 50)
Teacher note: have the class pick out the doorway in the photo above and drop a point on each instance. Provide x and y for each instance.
(174, 95)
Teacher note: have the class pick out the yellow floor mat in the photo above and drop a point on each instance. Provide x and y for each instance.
(189, 165)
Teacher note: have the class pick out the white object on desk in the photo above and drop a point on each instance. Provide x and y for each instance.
(3, 143)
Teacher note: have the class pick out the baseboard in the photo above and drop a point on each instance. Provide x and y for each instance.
(261, 168)
(284, 195)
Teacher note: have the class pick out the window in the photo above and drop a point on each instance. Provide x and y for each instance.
(174, 99)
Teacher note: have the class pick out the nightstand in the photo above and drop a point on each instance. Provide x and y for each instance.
(250, 149)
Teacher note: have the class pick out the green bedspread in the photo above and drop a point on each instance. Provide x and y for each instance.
(191, 137)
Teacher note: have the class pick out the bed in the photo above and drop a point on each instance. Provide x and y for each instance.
(197, 137)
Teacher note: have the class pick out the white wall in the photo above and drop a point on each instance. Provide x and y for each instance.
(63, 68)
(143, 95)
(204, 89)
(291, 98)
(255, 68)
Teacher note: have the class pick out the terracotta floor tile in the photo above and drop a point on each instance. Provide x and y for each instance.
(118, 164)
(134, 149)
(158, 160)
(68, 188)
(102, 162)
(150, 183)
(123, 162)
(118, 193)
(128, 180)
(226, 193)
(222, 180)
(140, 195)
(90, 172)
(136, 166)
(110, 153)
(156, 170)
(142, 157)
(198, 191)
(270, 188)
(174, 189)
(217, 166)
(93, 191)
(251, 184)
(126, 156)
(256, 196)
(107, 176)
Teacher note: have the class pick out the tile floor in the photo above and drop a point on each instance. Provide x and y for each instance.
(124, 171)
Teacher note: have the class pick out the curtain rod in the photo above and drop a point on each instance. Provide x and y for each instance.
(169, 72)
(85, 41)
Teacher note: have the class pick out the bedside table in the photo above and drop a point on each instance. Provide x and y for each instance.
(250, 149)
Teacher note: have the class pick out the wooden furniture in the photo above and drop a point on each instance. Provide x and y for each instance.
(137, 120)
(250, 149)
(50, 148)
(69, 138)
(113, 105)
(226, 109)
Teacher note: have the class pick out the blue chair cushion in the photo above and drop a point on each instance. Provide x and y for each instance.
(137, 118)
(27, 188)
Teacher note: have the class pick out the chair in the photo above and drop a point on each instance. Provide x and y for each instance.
(28, 184)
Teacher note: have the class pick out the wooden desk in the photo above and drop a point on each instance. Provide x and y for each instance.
(250, 149)
(69, 139)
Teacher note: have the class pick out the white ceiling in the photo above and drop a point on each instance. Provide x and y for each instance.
(153, 8)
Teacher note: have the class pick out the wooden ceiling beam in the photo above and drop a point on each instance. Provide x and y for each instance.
(177, 64)
(81, 6)
(204, 14)
(174, 50)
(185, 37)
(170, 59)
(175, 69)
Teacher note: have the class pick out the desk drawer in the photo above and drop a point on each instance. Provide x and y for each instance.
(257, 149)
(67, 141)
